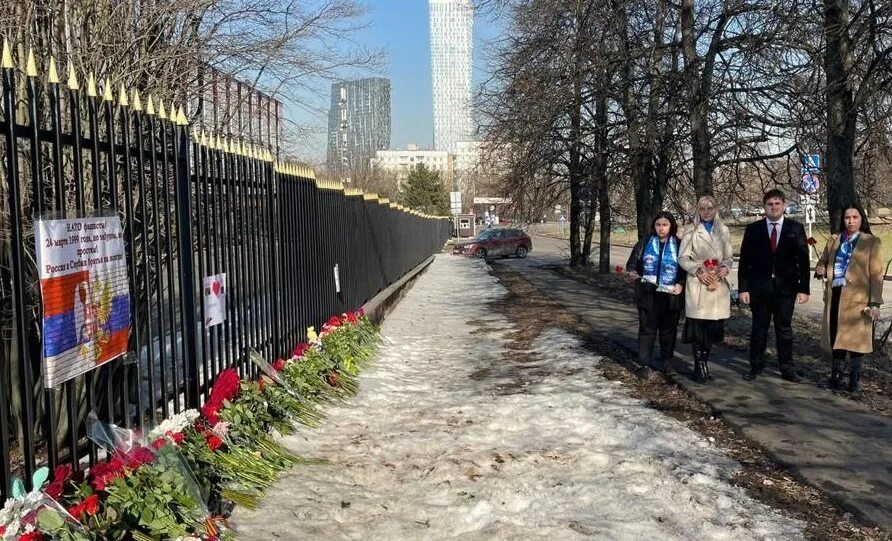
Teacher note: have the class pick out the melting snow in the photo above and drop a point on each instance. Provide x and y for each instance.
(453, 436)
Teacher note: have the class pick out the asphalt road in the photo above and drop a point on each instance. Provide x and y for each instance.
(554, 251)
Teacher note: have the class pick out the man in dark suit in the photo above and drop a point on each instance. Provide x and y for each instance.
(774, 276)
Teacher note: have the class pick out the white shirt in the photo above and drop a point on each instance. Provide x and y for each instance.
(780, 224)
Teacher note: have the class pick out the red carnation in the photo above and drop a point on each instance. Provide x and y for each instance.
(159, 442)
(332, 322)
(177, 437)
(619, 269)
(142, 455)
(32, 536)
(279, 364)
(811, 241)
(214, 442)
(226, 387)
(300, 349)
(360, 312)
(351, 318)
(61, 475)
(105, 473)
(91, 504)
(209, 411)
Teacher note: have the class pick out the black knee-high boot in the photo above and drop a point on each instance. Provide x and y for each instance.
(700, 369)
(855, 375)
(835, 381)
(705, 354)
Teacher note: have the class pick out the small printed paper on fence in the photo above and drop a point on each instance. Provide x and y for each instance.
(214, 299)
(86, 296)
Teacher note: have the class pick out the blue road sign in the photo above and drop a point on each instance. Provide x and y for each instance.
(812, 162)
(811, 183)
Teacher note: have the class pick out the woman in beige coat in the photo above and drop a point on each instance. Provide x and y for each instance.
(705, 254)
(852, 263)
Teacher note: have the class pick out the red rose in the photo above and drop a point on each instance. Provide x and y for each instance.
(619, 269)
(351, 318)
(811, 241)
(279, 364)
(214, 442)
(159, 442)
(332, 322)
(300, 349)
(177, 438)
(32, 536)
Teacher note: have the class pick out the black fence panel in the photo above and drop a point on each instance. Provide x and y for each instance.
(199, 215)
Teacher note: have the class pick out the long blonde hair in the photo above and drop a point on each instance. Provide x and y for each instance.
(718, 225)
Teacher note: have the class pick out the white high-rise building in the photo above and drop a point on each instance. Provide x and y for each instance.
(452, 47)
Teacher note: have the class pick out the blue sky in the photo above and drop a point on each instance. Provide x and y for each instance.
(400, 28)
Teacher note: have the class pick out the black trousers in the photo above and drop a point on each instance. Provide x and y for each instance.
(779, 309)
(660, 321)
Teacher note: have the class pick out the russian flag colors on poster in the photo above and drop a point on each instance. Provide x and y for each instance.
(86, 297)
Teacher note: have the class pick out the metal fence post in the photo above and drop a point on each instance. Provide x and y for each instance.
(187, 264)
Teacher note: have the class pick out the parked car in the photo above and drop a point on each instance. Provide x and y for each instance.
(496, 242)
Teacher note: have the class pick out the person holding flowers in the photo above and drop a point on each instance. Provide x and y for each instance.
(774, 276)
(705, 254)
(852, 265)
(653, 264)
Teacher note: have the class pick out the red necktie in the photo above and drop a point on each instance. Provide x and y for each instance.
(774, 237)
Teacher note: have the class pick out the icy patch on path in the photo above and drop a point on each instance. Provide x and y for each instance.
(449, 440)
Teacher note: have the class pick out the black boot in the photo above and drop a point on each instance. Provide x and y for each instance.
(855, 376)
(705, 358)
(700, 370)
(835, 381)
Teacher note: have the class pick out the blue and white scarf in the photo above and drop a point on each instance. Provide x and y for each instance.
(843, 257)
(665, 276)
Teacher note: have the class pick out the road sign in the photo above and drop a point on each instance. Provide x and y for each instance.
(809, 214)
(811, 183)
(812, 162)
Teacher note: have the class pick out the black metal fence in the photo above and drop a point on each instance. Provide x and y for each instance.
(191, 206)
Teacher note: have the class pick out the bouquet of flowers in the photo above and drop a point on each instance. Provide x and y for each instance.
(711, 267)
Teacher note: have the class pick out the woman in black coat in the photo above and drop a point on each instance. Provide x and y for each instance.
(653, 264)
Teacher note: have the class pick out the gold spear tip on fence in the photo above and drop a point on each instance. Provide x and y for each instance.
(6, 57)
(203, 141)
(122, 96)
(31, 65)
(181, 117)
(161, 112)
(73, 84)
(91, 86)
(150, 106)
(54, 73)
(137, 103)
(107, 95)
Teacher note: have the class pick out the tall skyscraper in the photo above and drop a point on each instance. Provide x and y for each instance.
(358, 124)
(452, 46)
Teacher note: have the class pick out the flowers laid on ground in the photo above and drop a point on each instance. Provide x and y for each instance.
(180, 480)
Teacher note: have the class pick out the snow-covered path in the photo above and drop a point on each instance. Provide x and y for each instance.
(451, 439)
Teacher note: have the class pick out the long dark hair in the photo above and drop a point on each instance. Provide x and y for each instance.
(673, 225)
(865, 226)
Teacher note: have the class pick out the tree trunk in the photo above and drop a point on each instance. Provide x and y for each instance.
(575, 159)
(698, 100)
(604, 245)
(841, 113)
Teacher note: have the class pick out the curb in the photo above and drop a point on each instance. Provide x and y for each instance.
(381, 304)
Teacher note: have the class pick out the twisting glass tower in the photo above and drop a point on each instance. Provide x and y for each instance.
(452, 45)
